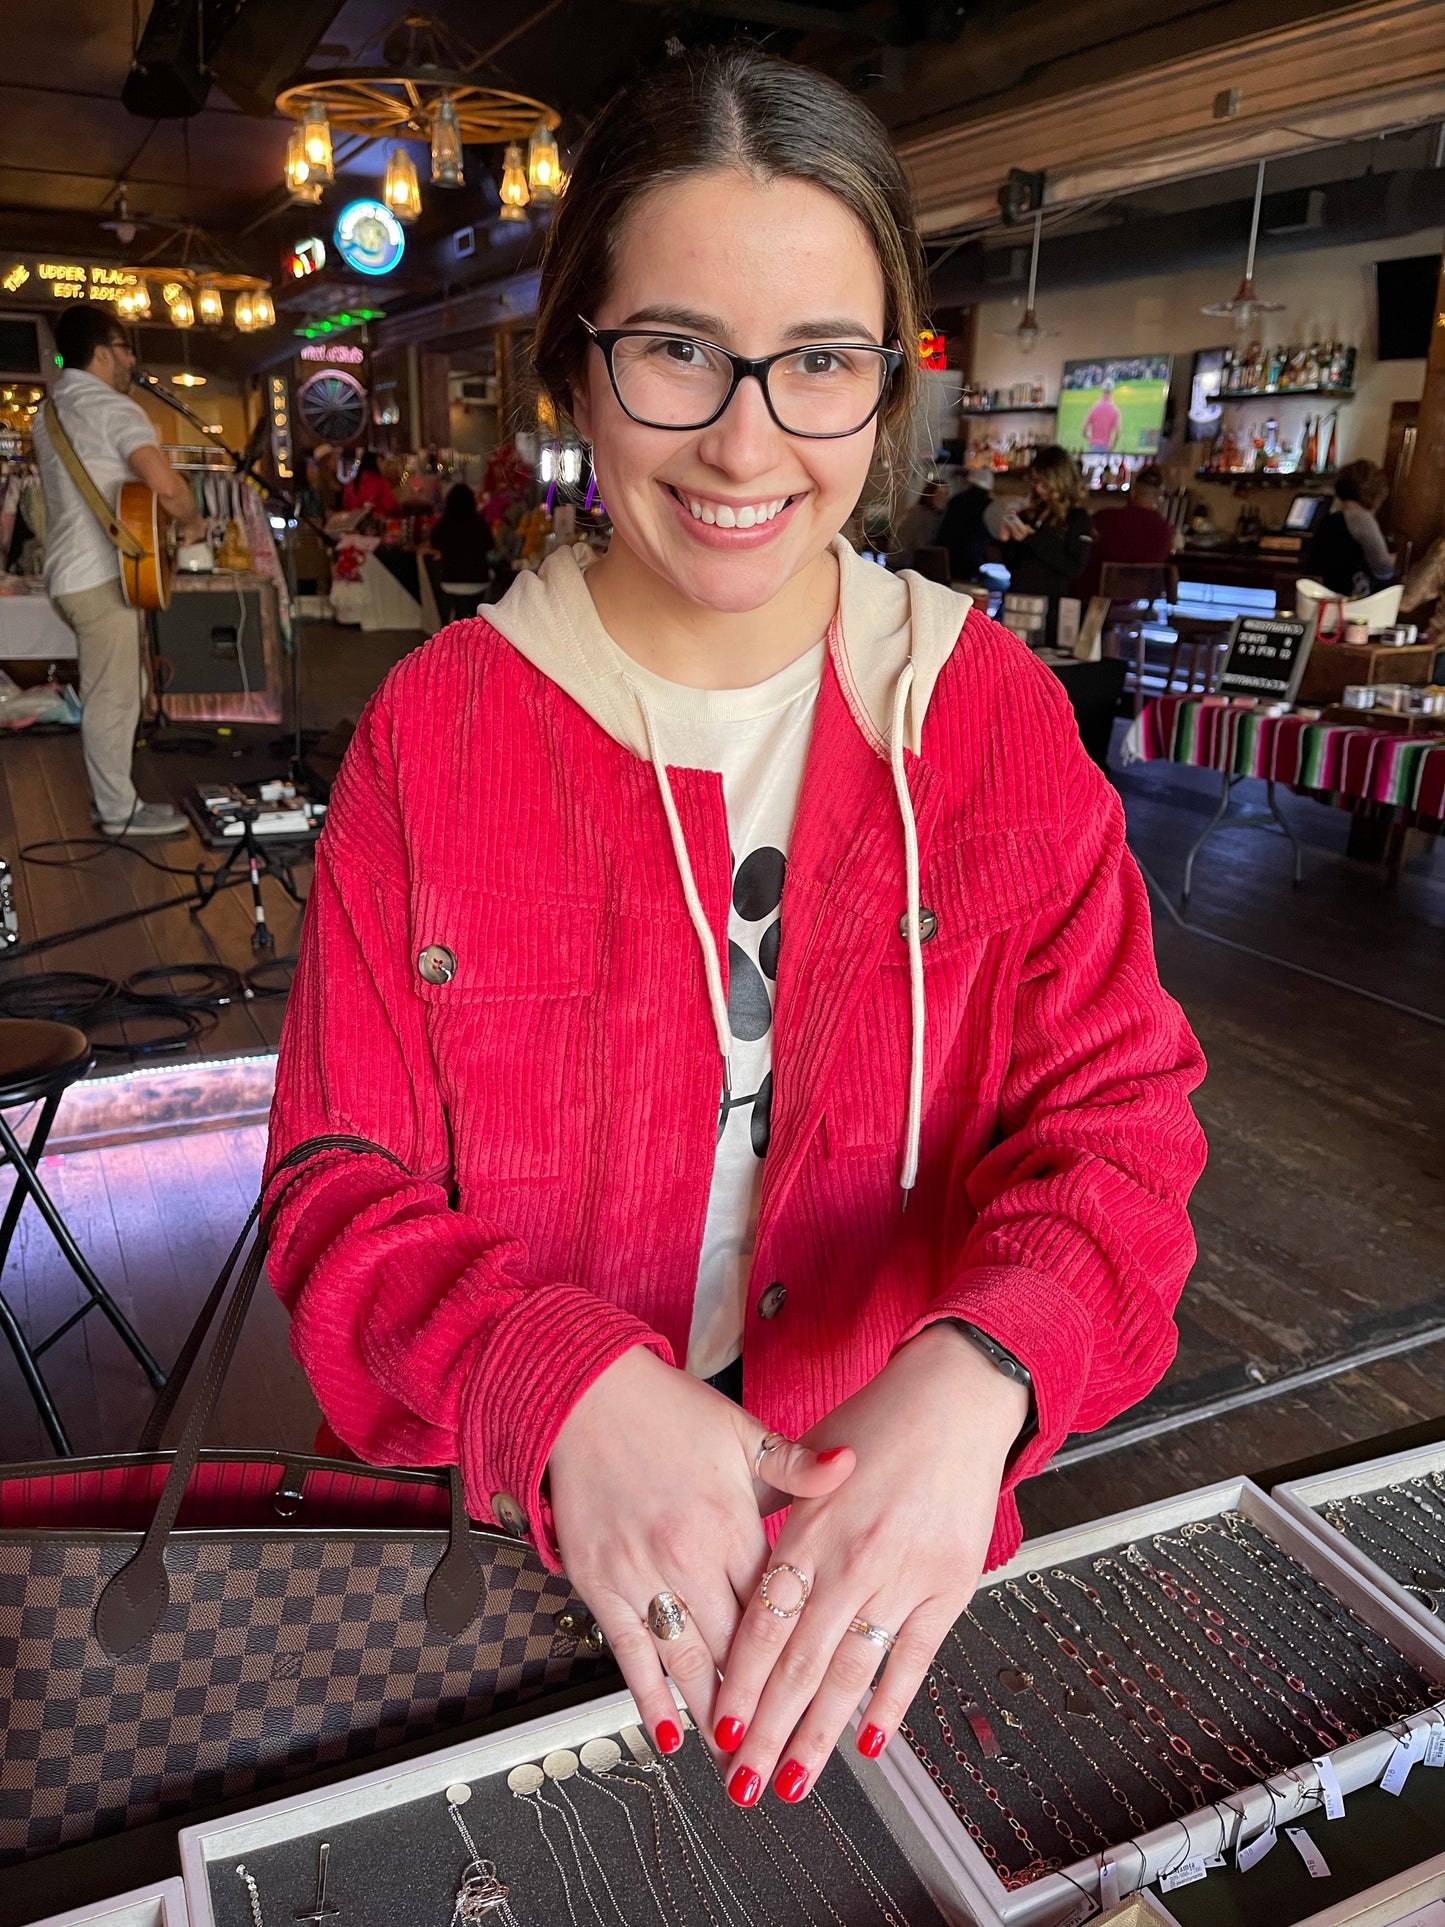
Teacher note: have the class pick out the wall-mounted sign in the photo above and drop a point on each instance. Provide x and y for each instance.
(281, 445)
(369, 237)
(336, 355)
(66, 281)
(307, 257)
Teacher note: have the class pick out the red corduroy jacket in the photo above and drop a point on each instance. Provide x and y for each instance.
(555, 1103)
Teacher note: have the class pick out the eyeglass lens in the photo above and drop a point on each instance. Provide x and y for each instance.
(673, 381)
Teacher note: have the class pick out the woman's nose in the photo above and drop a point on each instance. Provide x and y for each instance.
(745, 440)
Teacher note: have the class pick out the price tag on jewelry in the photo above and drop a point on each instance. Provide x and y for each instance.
(1435, 1747)
(1251, 1855)
(1330, 1792)
(1108, 1883)
(1315, 1862)
(1419, 1740)
(1184, 1876)
(1397, 1768)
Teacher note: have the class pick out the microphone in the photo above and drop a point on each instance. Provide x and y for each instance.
(142, 380)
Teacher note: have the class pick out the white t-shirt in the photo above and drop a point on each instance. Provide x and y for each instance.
(757, 739)
(106, 429)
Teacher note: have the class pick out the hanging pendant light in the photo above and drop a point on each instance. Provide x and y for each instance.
(446, 147)
(1246, 306)
(402, 191)
(544, 165)
(140, 301)
(302, 183)
(1028, 334)
(316, 144)
(209, 307)
(179, 305)
(245, 311)
(513, 190)
(264, 309)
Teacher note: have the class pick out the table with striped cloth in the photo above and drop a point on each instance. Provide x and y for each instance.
(1342, 763)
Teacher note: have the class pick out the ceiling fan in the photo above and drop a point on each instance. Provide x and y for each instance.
(1028, 334)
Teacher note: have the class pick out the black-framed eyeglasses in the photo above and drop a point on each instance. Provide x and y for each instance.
(822, 391)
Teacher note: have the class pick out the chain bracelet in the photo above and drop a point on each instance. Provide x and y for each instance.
(1036, 1864)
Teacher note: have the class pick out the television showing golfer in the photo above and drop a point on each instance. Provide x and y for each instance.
(1114, 407)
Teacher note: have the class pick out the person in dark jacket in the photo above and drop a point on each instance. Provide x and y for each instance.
(1348, 551)
(962, 532)
(1046, 544)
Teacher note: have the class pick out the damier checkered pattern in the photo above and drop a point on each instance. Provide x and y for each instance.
(279, 1652)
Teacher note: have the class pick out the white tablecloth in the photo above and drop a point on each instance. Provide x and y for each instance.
(32, 629)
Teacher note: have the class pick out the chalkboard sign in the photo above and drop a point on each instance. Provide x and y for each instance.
(1266, 657)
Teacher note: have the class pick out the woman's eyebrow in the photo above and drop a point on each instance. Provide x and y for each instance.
(829, 328)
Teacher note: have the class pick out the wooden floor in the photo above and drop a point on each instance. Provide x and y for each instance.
(1321, 1218)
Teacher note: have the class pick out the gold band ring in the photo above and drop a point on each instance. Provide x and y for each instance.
(769, 1442)
(784, 1612)
(666, 1616)
(879, 1635)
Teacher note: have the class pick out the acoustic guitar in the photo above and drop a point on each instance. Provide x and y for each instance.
(146, 578)
(140, 528)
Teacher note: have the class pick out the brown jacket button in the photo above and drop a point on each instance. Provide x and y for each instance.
(437, 964)
(927, 924)
(510, 1516)
(772, 1301)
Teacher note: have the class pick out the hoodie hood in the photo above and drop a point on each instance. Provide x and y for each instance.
(889, 643)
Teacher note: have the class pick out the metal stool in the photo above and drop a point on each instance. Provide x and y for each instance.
(38, 1063)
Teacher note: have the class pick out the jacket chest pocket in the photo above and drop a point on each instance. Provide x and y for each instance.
(509, 988)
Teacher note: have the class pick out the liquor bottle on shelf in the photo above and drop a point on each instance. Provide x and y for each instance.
(1310, 460)
(1226, 373)
(1330, 452)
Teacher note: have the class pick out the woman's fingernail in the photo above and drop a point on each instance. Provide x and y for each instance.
(668, 1736)
(729, 1734)
(871, 1742)
(745, 1786)
(791, 1781)
(833, 1452)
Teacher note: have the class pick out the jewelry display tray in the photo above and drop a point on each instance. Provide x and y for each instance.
(1141, 1860)
(162, 1905)
(215, 1847)
(1302, 1498)
(1390, 1904)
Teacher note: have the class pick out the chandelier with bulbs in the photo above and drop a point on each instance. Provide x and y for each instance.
(426, 90)
(184, 296)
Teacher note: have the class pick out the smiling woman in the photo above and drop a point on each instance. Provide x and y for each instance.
(617, 946)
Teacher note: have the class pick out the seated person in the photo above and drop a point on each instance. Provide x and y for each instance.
(1136, 533)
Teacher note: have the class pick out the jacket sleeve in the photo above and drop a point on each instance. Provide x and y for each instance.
(423, 1329)
(1063, 551)
(1081, 1242)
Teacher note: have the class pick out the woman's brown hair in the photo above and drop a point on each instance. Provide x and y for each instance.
(730, 108)
(1364, 482)
(1057, 469)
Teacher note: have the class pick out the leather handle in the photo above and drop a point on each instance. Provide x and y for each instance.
(134, 1599)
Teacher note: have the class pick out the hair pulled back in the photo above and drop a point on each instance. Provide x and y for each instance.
(729, 108)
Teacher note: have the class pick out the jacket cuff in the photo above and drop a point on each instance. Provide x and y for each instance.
(1047, 1330)
(538, 1361)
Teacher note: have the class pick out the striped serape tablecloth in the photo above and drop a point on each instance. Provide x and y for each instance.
(1344, 762)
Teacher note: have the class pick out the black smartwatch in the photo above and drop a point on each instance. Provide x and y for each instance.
(997, 1355)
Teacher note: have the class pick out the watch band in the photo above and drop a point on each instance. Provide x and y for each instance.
(997, 1355)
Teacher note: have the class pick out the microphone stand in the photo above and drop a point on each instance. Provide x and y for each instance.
(243, 468)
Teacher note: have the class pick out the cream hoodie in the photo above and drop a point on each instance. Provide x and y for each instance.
(893, 636)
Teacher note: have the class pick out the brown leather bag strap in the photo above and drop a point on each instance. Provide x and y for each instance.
(132, 1603)
(129, 545)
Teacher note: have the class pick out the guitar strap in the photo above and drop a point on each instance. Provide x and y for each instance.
(128, 544)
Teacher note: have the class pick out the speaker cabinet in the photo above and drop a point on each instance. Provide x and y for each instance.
(218, 647)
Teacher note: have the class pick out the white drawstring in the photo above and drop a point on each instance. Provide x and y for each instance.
(908, 1177)
(712, 969)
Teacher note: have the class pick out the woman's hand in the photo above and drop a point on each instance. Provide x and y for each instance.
(900, 1545)
(652, 1489)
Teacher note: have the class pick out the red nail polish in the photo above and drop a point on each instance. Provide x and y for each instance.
(791, 1781)
(871, 1742)
(833, 1452)
(729, 1734)
(668, 1736)
(745, 1786)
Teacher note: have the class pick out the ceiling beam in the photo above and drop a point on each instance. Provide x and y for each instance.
(795, 17)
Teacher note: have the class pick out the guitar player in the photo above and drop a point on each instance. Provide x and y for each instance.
(116, 442)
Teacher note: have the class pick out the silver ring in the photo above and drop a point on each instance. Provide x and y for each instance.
(784, 1612)
(769, 1442)
(879, 1635)
(666, 1616)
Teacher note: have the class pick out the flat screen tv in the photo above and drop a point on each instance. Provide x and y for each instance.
(1405, 305)
(1114, 406)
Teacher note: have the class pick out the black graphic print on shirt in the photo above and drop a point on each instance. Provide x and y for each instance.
(757, 896)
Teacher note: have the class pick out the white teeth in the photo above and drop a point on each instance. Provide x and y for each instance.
(722, 515)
